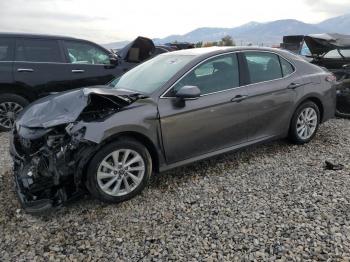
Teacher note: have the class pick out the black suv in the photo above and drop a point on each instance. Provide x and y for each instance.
(33, 66)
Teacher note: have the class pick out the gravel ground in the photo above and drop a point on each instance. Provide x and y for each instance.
(269, 202)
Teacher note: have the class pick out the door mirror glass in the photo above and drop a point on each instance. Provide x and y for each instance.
(188, 92)
(113, 59)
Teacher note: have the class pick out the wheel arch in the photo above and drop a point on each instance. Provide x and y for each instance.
(316, 100)
(143, 139)
(312, 98)
(20, 91)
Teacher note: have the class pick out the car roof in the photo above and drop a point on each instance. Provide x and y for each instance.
(215, 50)
(27, 35)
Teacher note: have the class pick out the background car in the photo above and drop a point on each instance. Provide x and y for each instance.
(331, 51)
(33, 66)
(172, 110)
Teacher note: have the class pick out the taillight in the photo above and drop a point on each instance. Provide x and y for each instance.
(331, 78)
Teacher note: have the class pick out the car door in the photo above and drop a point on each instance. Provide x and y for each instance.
(39, 66)
(6, 62)
(271, 93)
(88, 64)
(214, 121)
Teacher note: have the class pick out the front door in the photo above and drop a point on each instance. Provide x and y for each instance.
(214, 121)
(88, 64)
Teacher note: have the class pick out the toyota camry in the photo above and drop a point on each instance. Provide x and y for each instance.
(172, 110)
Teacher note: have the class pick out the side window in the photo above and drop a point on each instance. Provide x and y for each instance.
(38, 50)
(305, 51)
(6, 49)
(287, 68)
(217, 74)
(333, 54)
(85, 53)
(263, 66)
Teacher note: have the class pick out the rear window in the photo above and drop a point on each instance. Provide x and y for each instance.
(263, 66)
(6, 47)
(38, 50)
(287, 68)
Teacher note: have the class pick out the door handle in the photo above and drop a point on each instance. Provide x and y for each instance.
(78, 71)
(294, 85)
(239, 98)
(29, 70)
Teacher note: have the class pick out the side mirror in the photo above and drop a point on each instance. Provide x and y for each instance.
(188, 92)
(113, 59)
(347, 66)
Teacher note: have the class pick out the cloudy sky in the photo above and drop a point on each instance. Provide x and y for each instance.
(107, 21)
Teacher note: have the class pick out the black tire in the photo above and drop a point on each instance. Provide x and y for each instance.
(11, 98)
(294, 137)
(92, 169)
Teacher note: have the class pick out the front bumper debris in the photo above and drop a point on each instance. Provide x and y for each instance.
(44, 178)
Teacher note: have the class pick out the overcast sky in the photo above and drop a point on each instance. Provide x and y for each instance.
(107, 21)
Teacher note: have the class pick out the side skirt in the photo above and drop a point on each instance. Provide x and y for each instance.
(219, 152)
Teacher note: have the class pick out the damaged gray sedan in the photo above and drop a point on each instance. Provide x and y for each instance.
(175, 109)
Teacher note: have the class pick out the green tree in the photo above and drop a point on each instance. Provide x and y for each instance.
(199, 44)
(227, 41)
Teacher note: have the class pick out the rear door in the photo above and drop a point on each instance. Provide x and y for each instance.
(6, 62)
(39, 66)
(88, 64)
(214, 121)
(271, 93)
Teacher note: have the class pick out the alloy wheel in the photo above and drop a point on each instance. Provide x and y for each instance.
(8, 113)
(120, 172)
(307, 123)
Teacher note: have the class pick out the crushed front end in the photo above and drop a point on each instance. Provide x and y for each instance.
(45, 165)
(49, 147)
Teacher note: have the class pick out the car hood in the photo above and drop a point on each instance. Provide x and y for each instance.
(66, 107)
(322, 43)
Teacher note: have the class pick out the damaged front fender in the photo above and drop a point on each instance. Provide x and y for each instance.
(67, 107)
(49, 147)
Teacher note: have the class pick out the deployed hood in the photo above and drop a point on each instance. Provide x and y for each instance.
(66, 107)
(322, 43)
(138, 50)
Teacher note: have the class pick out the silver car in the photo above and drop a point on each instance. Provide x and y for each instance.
(172, 110)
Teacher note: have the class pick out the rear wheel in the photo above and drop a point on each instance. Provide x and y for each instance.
(304, 123)
(10, 106)
(119, 171)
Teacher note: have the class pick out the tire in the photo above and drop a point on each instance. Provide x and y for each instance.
(10, 106)
(296, 133)
(101, 171)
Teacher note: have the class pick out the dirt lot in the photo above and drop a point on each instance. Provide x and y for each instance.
(275, 201)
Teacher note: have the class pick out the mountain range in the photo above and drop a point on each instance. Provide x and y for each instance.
(256, 33)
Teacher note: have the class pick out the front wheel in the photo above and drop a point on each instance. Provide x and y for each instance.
(119, 171)
(305, 122)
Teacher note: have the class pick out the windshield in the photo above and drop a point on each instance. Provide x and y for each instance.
(151, 75)
(336, 53)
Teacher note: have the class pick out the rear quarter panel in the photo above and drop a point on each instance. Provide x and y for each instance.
(315, 87)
